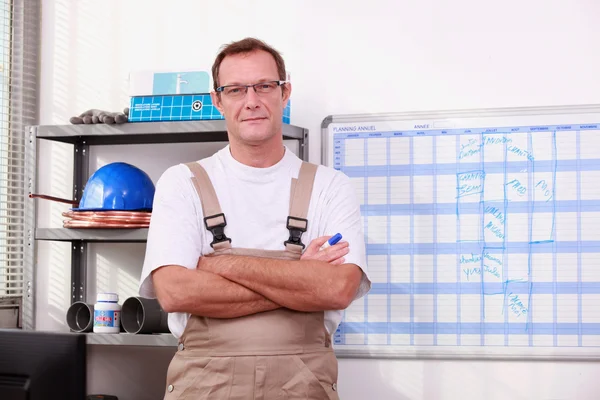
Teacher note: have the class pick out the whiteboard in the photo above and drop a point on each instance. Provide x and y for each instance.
(482, 230)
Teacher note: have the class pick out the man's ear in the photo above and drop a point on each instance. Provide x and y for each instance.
(216, 100)
(286, 92)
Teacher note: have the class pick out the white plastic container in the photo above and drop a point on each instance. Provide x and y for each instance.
(107, 313)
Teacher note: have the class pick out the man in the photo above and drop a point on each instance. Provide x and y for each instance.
(234, 250)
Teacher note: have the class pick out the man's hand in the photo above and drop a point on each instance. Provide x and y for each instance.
(333, 255)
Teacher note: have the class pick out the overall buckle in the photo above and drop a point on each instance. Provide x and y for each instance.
(296, 231)
(218, 231)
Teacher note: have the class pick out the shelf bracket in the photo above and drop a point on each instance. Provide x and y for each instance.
(303, 148)
(81, 167)
(78, 271)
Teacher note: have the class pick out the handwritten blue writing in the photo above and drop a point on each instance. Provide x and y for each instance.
(543, 186)
(472, 271)
(477, 271)
(491, 258)
(473, 258)
(491, 270)
(516, 305)
(517, 186)
(470, 142)
(470, 183)
(473, 175)
(466, 190)
(520, 152)
(473, 147)
(468, 153)
(495, 229)
(496, 213)
(491, 140)
(465, 151)
(476, 258)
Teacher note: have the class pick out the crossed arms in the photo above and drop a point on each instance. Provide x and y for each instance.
(234, 286)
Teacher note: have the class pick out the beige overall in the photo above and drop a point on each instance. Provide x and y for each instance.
(272, 355)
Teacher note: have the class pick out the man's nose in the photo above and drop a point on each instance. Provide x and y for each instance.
(252, 100)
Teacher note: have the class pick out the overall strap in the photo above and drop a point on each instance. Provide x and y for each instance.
(214, 219)
(301, 191)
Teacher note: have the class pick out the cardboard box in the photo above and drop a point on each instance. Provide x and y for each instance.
(153, 83)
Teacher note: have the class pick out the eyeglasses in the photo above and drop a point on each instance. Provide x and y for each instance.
(239, 91)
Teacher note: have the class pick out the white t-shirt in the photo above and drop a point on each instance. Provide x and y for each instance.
(255, 202)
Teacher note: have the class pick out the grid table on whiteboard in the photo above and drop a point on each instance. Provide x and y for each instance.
(487, 236)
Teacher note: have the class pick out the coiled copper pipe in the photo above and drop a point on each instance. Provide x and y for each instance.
(99, 219)
(107, 219)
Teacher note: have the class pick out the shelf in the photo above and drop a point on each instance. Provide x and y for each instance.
(92, 235)
(128, 339)
(147, 132)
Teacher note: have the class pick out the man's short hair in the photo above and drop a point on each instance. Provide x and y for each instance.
(243, 46)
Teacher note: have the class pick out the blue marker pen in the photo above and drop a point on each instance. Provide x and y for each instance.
(332, 240)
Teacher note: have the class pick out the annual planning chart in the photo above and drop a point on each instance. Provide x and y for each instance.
(479, 236)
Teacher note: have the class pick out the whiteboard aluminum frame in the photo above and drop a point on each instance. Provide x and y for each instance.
(442, 118)
(499, 353)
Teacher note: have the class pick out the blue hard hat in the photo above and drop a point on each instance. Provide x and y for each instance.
(118, 187)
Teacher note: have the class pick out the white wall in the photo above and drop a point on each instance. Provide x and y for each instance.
(345, 57)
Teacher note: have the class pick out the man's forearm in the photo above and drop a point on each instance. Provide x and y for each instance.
(305, 285)
(206, 294)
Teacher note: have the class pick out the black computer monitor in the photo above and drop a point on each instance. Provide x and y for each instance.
(37, 365)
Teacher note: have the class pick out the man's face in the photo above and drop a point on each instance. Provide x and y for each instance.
(252, 118)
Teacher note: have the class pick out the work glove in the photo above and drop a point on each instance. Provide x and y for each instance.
(95, 116)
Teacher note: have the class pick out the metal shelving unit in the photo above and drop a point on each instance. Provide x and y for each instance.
(83, 136)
